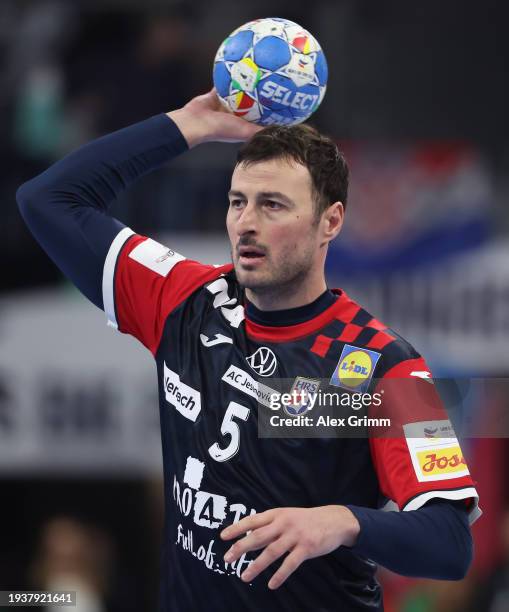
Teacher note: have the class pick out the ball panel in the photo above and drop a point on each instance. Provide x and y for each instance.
(237, 46)
(276, 91)
(279, 117)
(321, 68)
(253, 114)
(245, 75)
(301, 69)
(243, 102)
(268, 27)
(301, 39)
(221, 78)
(240, 102)
(271, 53)
(322, 94)
(305, 101)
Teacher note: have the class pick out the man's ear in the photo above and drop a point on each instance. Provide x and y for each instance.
(333, 218)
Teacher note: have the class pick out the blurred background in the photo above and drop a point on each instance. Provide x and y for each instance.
(418, 101)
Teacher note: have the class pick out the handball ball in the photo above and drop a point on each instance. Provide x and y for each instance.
(271, 71)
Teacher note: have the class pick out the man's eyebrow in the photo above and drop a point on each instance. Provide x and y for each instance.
(268, 195)
(235, 193)
(275, 195)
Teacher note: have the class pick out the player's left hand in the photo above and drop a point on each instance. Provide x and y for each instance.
(304, 533)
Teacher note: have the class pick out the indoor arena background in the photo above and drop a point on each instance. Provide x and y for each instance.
(418, 100)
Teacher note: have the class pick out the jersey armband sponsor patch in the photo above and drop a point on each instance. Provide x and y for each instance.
(435, 451)
(155, 256)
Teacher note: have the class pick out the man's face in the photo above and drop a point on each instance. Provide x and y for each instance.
(272, 225)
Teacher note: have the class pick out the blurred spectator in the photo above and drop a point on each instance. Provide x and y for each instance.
(73, 556)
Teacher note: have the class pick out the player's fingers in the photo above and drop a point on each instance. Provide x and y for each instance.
(235, 129)
(289, 565)
(249, 129)
(253, 541)
(247, 524)
(265, 558)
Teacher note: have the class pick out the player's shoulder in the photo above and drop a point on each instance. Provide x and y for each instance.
(160, 259)
(143, 261)
(401, 359)
(397, 354)
(145, 281)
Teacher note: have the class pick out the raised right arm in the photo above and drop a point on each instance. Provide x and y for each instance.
(66, 207)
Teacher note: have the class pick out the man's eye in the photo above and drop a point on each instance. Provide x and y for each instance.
(273, 205)
(235, 203)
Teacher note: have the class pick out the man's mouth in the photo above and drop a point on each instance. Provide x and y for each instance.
(250, 255)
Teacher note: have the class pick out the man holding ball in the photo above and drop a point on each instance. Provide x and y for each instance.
(254, 523)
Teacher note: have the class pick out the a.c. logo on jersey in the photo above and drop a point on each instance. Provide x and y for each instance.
(355, 368)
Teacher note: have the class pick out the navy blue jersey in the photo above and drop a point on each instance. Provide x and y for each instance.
(216, 468)
(210, 359)
(212, 356)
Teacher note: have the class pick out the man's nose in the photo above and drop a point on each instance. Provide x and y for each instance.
(247, 222)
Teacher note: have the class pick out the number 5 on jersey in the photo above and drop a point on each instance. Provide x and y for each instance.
(228, 426)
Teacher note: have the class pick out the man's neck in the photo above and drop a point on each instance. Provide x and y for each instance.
(292, 316)
(285, 298)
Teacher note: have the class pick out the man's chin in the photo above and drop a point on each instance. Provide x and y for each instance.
(251, 279)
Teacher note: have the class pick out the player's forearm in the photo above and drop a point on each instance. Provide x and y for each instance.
(431, 542)
(191, 127)
(96, 173)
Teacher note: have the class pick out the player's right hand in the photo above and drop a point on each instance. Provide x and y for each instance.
(204, 119)
(304, 533)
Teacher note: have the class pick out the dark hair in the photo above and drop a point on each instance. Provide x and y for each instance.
(305, 145)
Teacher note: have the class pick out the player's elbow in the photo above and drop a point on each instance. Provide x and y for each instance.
(26, 197)
(33, 199)
(458, 569)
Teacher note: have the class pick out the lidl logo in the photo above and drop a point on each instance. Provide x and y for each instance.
(355, 368)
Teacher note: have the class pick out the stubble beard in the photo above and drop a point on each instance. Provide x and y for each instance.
(280, 278)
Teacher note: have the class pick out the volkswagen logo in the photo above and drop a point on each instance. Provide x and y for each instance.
(263, 361)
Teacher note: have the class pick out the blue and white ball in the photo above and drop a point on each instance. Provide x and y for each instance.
(271, 71)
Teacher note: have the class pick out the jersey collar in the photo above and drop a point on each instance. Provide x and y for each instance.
(291, 316)
(284, 333)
